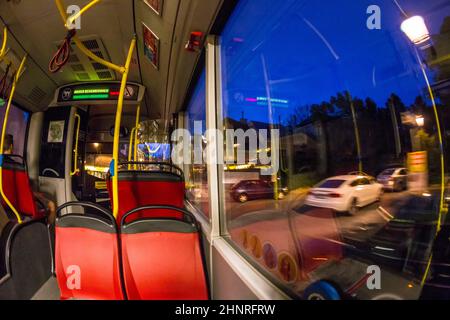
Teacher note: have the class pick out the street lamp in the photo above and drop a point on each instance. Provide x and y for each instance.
(416, 29)
(420, 120)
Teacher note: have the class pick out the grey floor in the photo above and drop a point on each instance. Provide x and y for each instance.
(49, 291)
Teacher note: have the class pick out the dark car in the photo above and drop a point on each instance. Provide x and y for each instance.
(246, 190)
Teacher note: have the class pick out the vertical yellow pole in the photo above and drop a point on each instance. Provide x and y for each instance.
(5, 39)
(136, 132)
(75, 150)
(115, 161)
(130, 148)
(2, 143)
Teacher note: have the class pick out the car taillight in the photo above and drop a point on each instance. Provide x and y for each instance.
(334, 195)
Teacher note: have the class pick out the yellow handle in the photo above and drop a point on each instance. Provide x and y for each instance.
(5, 39)
(130, 147)
(75, 151)
(138, 119)
(2, 143)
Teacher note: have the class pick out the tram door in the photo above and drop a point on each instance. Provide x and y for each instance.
(78, 156)
(60, 167)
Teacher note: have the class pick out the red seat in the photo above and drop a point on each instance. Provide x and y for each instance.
(9, 187)
(162, 259)
(16, 185)
(87, 256)
(143, 188)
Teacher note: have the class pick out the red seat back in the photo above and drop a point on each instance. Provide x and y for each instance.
(162, 260)
(9, 187)
(143, 188)
(16, 185)
(25, 196)
(87, 258)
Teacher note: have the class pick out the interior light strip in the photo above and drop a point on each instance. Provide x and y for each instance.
(90, 91)
(90, 96)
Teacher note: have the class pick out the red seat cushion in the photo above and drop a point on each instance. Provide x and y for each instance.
(160, 264)
(87, 248)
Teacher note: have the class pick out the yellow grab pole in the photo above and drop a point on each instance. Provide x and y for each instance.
(130, 148)
(80, 45)
(2, 143)
(138, 119)
(5, 39)
(115, 161)
(75, 151)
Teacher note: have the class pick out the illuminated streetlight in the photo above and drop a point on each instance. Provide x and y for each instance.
(416, 29)
(420, 120)
(96, 145)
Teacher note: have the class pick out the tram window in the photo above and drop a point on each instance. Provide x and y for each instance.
(349, 102)
(196, 174)
(17, 127)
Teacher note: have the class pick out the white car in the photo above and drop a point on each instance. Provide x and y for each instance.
(345, 193)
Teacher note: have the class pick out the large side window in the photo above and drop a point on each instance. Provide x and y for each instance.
(319, 95)
(196, 173)
(17, 127)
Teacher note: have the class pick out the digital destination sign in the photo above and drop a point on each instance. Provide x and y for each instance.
(96, 92)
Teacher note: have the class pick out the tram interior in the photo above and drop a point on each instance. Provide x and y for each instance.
(97, 204)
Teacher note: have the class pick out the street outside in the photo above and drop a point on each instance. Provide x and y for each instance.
(360, 227)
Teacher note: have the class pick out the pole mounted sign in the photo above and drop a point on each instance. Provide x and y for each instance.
(418, 171)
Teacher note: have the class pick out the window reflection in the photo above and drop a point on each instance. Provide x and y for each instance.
(361, 178)
(196, 172)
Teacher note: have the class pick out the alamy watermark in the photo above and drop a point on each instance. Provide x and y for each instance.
(257, 148)
(72, 11)
(374, 19)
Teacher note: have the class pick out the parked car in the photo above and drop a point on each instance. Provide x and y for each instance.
(246, 190)
(394, 179)
(345, 193)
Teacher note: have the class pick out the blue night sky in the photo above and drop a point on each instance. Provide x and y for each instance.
(312, 50)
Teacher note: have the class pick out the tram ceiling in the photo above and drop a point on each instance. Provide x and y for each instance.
(107, 28)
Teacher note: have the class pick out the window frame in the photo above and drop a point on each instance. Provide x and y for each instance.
(27, 129)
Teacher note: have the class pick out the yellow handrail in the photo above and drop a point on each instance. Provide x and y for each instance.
(2, 143)
(75, 150)
(136, 132)
(115, 163)
(5, 39)
(79, 44)
(130, 147)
